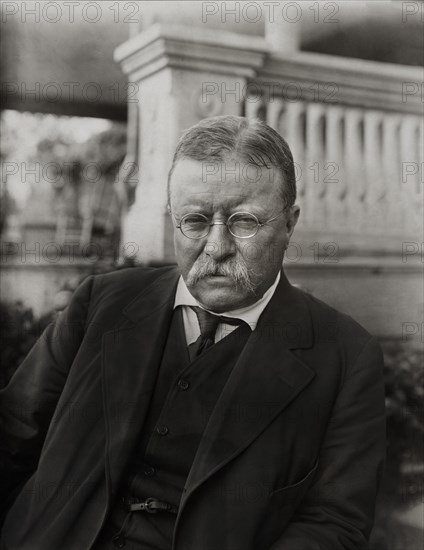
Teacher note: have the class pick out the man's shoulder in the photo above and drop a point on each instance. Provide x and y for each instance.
(136, 277)
(329, 322)
(123, 285)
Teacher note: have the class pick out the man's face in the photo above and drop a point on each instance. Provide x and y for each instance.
(221, 271)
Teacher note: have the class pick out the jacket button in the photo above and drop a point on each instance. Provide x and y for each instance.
(162, 430)
(148, 471)
(119, 541)
(183, 384)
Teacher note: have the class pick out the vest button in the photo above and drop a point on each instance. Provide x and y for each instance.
(183, 384)
(119, 541)
(162, 430)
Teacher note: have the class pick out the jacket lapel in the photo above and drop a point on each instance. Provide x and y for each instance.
(266, 378)
(131, 356)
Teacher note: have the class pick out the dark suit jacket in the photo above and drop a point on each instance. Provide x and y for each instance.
(290, 458)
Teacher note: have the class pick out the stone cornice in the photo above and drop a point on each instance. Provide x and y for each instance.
(191, 48)
(318, 77)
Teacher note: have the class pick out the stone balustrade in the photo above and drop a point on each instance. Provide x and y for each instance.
(357, 140)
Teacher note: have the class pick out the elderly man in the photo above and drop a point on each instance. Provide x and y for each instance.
(211, 406)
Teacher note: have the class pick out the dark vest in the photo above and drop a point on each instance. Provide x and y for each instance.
(184, 397)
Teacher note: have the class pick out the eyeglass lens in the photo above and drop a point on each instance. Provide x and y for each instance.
(196, 226)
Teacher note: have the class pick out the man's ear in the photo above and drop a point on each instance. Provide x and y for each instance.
(292, 219)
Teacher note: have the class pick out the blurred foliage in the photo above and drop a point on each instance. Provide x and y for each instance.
(19, 330)
(404, 385)
(404, 378)
(7, 207)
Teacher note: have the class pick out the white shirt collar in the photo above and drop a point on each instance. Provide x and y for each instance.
(249, 314)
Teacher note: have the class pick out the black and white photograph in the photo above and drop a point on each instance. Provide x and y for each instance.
(212, 275)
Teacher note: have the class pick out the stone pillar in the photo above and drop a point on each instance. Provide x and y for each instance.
(283, 26)
(182, 75)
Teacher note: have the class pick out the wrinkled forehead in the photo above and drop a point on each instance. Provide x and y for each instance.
(231, 180)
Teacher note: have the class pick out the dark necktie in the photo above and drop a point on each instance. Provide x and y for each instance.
(208, 323)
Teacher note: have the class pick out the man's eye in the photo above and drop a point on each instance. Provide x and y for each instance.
(243, 221)
(194, 220)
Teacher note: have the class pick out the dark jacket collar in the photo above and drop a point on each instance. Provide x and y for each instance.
(286, 315)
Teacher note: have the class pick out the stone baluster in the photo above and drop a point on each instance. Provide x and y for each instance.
(275, 113)
(335, 169)
(391, 172)
(355, 176)
(374, 205)
(255, 109)
(420, 192)
(410, 174)
(295, 135)
(421, 146)
(313, 168)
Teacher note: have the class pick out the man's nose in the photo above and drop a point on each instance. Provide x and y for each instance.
(220, 243)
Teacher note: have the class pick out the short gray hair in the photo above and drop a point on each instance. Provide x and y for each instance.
(251, 140)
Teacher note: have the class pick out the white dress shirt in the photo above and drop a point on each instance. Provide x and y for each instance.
(249, 314)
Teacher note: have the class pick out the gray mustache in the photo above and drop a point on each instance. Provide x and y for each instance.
(235, 269)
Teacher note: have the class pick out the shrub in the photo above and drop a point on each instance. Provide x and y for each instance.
(19, 330)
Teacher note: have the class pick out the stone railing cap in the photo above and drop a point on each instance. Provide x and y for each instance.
(351, 65)
(194, 35)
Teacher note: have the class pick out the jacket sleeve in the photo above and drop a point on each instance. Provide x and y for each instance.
(28, 402)
(337, 512)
